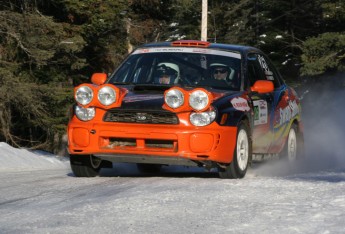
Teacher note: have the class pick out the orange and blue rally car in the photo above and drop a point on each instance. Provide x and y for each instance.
(190, 103)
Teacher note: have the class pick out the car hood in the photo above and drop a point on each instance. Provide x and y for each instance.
(152, 98)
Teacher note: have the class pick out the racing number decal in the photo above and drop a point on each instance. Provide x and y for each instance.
(260, 112)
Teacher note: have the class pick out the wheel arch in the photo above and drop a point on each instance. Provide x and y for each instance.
(300, 130)
(235, 118)
(245, 119)
(299, 125)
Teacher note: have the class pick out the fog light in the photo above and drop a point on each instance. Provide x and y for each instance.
(85, 114)
(203, 118)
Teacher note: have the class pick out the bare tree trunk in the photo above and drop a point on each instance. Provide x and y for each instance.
(128, 28)
(4, 124)
(59, 146)
(291, 28)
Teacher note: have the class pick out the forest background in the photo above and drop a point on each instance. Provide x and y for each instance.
(47, 47)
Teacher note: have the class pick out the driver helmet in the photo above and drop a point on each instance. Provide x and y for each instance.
(167, 73)
(219, 71)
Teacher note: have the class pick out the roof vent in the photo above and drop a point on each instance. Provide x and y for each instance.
(191, 43)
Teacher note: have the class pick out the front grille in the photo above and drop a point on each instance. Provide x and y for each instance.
(143, 117)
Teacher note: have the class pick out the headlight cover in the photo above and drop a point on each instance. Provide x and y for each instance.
(106, 95)
(202, 118)
(174, 98)
(85, 114)
(198, 100)
(84, 95)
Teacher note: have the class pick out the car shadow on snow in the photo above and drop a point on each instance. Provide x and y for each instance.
(130, 170)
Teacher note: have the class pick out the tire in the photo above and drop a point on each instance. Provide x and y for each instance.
(294, 146)
(149, 168)
(85, 165)
(242, 155)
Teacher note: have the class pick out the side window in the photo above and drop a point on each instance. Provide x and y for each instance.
(260, 68)
(254, 69)
(275, 74)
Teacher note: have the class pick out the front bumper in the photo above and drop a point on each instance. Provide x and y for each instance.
(120, 142)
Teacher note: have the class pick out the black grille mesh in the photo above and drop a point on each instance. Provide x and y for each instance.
(143, 117)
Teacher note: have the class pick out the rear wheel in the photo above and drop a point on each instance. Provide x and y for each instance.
(85, 165)
(242, 155)
(294, 147)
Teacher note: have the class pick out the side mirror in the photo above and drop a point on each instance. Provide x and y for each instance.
(262, 86)
(98, 78)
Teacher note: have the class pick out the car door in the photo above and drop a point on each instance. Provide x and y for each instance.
(263, 104)
(285, 106)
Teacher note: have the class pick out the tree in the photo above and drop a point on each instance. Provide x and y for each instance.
(33, 77)
(185, 22)
(333, 16)
(147, 21)
(101, 25)
(49, 46)
(325, 53)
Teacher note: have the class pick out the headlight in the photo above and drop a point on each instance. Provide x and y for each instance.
(85, 114)
(84, 95)
(107, 95)
(203, 118)
(174, 98)
(198, 100)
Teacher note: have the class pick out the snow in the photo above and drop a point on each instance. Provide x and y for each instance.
(272, 198)
(23, 159)
(39, 194)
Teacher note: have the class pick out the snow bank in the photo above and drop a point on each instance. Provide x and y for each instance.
(13, 159)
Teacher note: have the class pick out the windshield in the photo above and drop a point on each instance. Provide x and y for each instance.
(181, 66)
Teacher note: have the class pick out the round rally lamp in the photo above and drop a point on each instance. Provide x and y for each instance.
(198, 100)
(106, 95)
(84, 95)
(174, 98)
(202, 118)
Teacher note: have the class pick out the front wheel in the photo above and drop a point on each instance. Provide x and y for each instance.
(242, 155)
(85, 165)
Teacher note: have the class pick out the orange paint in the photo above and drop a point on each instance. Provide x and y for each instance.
(213, 142)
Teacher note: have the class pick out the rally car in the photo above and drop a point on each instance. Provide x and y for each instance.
(191, 103)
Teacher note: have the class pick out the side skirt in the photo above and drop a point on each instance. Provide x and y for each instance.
(264, 157)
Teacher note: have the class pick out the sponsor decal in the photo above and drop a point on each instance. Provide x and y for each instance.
(260, 112)
(186, 50)
(288, 112)
(240, 104)
(144, 51)
(197, 50)
(268, 72)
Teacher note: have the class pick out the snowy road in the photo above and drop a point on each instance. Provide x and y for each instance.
(173, 202)
(39, 194)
